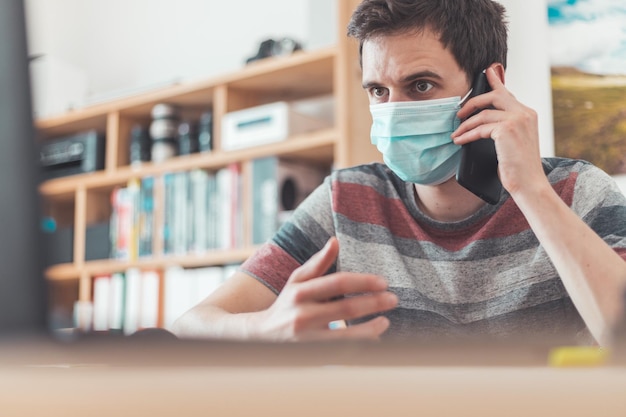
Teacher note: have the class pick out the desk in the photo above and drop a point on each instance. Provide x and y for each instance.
(184, 389)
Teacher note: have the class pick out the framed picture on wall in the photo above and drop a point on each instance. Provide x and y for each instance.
(588, 66)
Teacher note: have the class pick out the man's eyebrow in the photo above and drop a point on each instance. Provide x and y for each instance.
(409, 78)
(421, 74)
(369, 84)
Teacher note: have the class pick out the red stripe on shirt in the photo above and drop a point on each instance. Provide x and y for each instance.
(270, 263)
(362, 204)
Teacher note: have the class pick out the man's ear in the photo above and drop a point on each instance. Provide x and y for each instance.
(498, 68)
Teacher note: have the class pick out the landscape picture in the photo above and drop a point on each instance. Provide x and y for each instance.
(588, 62)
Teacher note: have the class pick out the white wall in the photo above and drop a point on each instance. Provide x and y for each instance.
(528, 73)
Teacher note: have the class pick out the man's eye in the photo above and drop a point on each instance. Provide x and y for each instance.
(379, 92)
(423, 86)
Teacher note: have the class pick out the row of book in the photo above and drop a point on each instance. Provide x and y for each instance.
(179, 212)
(137, 299)
(192, 212)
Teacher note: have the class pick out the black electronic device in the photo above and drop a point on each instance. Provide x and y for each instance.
(205, 132)
(188, 140)
(23, 292)
(140, 145)
(478, 170)
(272, 47)
(75, 154)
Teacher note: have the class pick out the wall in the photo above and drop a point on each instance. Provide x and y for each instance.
(528, 73)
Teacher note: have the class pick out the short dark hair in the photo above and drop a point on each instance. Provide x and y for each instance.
(475, 31)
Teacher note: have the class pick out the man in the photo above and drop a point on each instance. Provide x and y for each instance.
(422, 256)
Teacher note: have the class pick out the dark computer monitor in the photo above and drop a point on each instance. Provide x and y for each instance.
(23, 292)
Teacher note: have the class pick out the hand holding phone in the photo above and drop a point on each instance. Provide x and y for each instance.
(478, 170)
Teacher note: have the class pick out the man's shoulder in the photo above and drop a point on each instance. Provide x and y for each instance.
(587, 181)
(557, 168)
(553, 163)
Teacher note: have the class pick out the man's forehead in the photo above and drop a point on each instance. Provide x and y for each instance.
(405, 53)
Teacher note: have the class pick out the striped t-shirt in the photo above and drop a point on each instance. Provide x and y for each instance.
(484, 275)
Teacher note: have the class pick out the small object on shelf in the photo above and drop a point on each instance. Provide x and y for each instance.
(140, 145)
(58, 242)
(205, 132)
(278, 187)
(73, 154)
(164, 111)
(164, 132)
(267, 123)
(98, 241)
(163, 149)
(271, 47)
(187, 138)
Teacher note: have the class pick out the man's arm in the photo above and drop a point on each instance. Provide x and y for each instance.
(245, 309)
(592, 272)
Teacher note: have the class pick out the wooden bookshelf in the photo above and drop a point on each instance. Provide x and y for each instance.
(82, 200)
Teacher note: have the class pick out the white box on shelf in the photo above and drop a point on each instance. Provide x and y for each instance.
(265, 124)
(57, 86)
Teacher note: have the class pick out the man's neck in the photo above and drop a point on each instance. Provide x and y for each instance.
(447, 202)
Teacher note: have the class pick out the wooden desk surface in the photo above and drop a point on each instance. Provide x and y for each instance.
(79, 384)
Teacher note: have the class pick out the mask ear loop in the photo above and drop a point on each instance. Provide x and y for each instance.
(465, 97)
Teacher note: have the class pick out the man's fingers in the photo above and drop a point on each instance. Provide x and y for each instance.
(349, 308)
(339, 284)
(319, 263)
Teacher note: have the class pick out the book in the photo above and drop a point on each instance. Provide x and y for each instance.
(116, 301)
(168, 212)
(237, 233)
(224, 213)
(176, 298)
(133, 189)
(213, 207)
(198, 218)
(264, 199)
(181, 211)
(149, 309)
(121, 223)
(132, 301)
(101, 302)
(145, 217)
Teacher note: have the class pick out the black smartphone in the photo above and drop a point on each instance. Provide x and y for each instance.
(478, 170)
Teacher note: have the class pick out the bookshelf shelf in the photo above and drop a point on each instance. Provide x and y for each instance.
(315, 147)
(85, 200)
(71, 271)
(282, 78)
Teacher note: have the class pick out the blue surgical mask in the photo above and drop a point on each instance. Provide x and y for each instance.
(414, 138)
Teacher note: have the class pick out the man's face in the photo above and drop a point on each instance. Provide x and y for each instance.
(410, 67)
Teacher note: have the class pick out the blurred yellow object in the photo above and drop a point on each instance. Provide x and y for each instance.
(573, 356)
